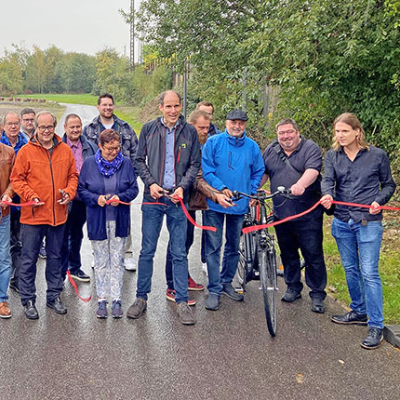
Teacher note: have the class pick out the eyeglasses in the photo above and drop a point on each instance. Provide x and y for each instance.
(28, 119)
(111, 149)
(290, 132)
(12, 123)
(42, 128)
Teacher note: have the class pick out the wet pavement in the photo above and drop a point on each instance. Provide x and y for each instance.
(228, 354)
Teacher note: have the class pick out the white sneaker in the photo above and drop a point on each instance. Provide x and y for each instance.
(204, 266)
(129, 263)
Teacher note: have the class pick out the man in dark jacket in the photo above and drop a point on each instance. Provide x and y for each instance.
(73, 234)
(168, 159)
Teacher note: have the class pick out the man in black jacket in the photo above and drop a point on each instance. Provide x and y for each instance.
(167, 160)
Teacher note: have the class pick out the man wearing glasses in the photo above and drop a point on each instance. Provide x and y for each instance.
(28, 122)
(45, 174)
(295, 163)
(129, 142)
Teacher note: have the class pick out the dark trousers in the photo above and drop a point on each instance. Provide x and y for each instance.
(73, 236)
(188, 245)
(32, 236)
(15, 245)
(304, 234)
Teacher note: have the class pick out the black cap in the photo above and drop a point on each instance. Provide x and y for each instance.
(237, 114)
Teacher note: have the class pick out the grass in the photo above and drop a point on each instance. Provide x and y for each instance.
(389, 270)
(127, 113)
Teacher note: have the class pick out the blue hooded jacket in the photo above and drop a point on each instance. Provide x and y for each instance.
(233, 163)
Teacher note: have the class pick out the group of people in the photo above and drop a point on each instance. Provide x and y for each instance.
(90, 176)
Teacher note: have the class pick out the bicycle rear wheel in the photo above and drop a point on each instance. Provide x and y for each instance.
(267, 265)
(247, 259)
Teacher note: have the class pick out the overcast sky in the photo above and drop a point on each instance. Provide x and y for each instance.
(84, 26)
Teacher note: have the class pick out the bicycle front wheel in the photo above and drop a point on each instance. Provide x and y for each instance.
(267, 266)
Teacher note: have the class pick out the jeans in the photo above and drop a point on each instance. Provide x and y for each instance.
(73, 236)
(5, 258)
(234, 224)
(32, 236)
(306, 235)
(189, 241)
(359, 248)
(15, 245)
(152, 220)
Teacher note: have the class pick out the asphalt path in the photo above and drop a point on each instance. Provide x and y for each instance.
(228, 354)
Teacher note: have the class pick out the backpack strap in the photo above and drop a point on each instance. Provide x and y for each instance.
(278, 150)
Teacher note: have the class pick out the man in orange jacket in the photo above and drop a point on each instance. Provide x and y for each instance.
(44, 173)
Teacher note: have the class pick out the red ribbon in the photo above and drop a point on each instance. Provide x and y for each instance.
(72, 282)
(190, 219)
(342, 203)
(27, 204)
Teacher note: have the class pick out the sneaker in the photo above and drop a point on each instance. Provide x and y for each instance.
(102, 309)
(192, 285)
(42, 250)
(129, 263)
(212, 302)
(229, 290)
(351, 318)
(186, 315)
(79, 275)
(204, 267)
(290, 296)
(317, 305)
(374, 339)
(5, 311)
(171, 297)
(137, 309)
(116, 309)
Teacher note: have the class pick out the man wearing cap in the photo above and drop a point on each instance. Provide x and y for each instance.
(231, 161)
(295, 162)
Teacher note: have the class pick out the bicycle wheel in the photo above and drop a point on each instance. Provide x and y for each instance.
(267, 266)
(246, 259)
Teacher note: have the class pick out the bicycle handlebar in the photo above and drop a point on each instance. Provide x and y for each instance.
(261, 194)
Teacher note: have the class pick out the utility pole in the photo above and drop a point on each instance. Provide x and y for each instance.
(132, 42)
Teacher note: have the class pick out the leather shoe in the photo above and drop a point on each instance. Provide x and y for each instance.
(317, 305)
(374, 339)
(351, 318)
(229, 290)
(5, 311)
(30, 310)
(57, 305)
(290, 296)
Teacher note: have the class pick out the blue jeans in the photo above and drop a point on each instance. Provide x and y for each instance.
(152, 220)
(32, 237)
(5, 258)
(234, 224)
(359, 248)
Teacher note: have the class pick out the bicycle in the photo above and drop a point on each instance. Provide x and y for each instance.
(257, 259)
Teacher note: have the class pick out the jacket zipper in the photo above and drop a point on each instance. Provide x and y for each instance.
(52, 182)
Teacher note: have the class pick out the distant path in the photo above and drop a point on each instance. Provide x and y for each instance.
(87, 113)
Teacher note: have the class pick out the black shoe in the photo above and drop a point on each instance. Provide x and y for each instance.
(374, 339)
(290, 296)
(317, 305)
(351, 318)
(79, 275)
(14, 286)
(212, 302)
(57, 306)
(229, 290)
(30, 310)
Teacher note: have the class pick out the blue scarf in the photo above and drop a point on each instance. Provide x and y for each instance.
(108, 168)
(21, 141)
